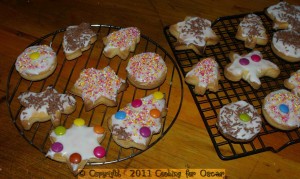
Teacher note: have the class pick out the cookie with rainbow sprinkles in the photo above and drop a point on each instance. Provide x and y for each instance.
(136, 123)
(97, 87)
(77, 145)
(121, 42)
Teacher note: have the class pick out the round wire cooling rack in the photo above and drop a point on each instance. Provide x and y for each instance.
(66, 74)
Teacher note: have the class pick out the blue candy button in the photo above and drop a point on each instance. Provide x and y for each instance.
(284, 108)
(120, 115)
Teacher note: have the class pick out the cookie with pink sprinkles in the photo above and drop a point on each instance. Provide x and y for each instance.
(121, 42)
(97, 87)
(204, 76)
(146, 70)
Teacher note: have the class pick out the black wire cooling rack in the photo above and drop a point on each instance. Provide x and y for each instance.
(209, 104)
(65, 76)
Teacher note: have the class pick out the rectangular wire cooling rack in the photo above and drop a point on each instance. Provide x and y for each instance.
(209, 105)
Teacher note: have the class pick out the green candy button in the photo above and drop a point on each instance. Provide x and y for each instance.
(60, 130)
(244, 117)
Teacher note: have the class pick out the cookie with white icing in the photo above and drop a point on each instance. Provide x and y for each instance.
(239, 121)
(77, 145)
(43, 106)
(293, 83)
(252, 31)
(205, 75)
(250, 67)
(121, 42)
(97, 87)
(281, 109)
(36, 62)
(284, 16)
(134, 125)
(286, 45)
(146, 70)
(77, 39)
(194, 33)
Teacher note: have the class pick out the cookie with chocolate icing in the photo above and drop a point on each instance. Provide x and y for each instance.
(78, 39)
(194, 33)
(239, 121)
(252, 31)
(43, 106)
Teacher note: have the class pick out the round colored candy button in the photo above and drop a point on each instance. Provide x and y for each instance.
(145, 131)
(244, 117)
(75, 158)
(99, 129)
(158, 95)
(34, 55)
(155, 113)
(136, 103)
(57, 147)
(60, 130)
(120, 115)
(244, 61)
(99, 152)
(79, 122)
(255, 58)
(284, 108)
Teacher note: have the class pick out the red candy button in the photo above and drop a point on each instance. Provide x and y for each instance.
(255, 58)
(75, 158)
(155, 113)
(244, 61)
(136, 103)
(99, 152)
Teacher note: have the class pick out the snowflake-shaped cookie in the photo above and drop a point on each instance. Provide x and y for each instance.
(77, 145)
(43, 106)
(250, 67)
(98, 87)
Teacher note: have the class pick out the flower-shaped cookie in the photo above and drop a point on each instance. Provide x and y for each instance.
(250, 67)
(77, 145)
(43, 106)
(98, 87)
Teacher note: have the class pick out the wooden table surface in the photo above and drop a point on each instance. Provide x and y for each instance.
(187, 144)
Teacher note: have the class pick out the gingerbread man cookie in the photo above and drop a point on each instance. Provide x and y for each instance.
(281, 109)
(77, 145)
(204, 75)
(285, 16)
(43, 106)
(121, 42)
(252, 31)
(194, 33)
(293, 83)
(250, 67)
(78, 39)
(134, 125)
(97, 87)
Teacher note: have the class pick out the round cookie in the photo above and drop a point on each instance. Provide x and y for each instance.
(239, 121)
(36, 62)
(146, 70)
(281, 109)
(286, 45)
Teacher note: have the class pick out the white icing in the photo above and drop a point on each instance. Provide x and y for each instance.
(77, 139)
(47, 58)
(284, 47)
(250, 22)
(139, 117)
(295, 81)
(195, 31)
(271, 106)
(253, 69)
(231, 124)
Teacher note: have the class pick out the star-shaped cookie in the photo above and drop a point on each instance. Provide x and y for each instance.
(77, 145)
(250, 67)
(204, 75)
(43, 106)
(97, 87)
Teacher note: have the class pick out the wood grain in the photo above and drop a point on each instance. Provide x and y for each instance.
(187, 144)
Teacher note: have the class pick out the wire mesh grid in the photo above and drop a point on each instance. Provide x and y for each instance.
(67, 73)
(210, 103)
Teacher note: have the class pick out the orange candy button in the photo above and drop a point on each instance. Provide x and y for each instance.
(155, 113)
(99, 129)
